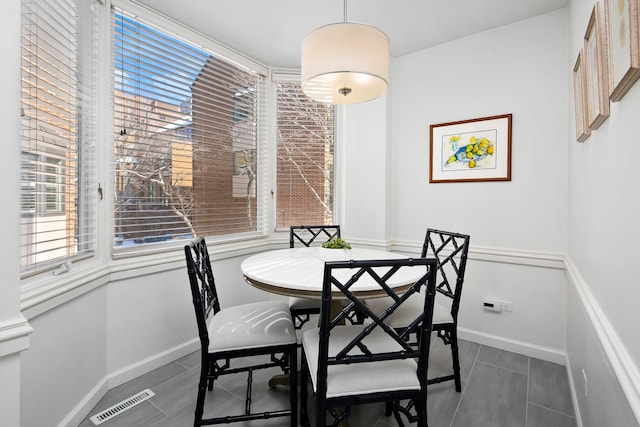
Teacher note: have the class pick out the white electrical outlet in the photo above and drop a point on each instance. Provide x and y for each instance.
(584, 375)
(506, 305)
(492, 304)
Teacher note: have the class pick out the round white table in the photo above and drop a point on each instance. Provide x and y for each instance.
(299, 272)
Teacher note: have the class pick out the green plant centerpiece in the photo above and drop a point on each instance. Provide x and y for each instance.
(336, 243)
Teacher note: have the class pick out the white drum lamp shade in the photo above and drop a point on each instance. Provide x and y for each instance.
(345, 63)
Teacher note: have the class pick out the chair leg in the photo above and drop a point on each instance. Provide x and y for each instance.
(321, 412)
(202, 391)
(421, 409)
(293, 384)
(304, 384)
(388, 408)
(456, 359)
(321, 405)
(212, 368)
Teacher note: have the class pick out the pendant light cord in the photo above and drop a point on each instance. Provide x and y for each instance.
(345, 10)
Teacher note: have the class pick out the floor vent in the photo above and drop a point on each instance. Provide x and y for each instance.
(119, 408)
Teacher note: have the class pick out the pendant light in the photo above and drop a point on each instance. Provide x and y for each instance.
(345, 63)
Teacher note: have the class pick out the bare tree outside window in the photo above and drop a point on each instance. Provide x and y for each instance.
(306, 137)
(185, 139)
(153, 170)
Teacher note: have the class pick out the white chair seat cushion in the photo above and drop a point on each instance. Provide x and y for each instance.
(360, 378)
(301, 303)
(253, 325)
(411, 308)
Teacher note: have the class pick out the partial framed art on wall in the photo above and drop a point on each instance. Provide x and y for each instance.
(471, 150)
(596, 68)
(624, 45)
(580, 98)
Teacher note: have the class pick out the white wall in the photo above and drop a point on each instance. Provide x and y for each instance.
(364, 174)
(147, 315)
(66, 361)
(151, 319)
(517, 69)
(517, 228)
(602, 250)
(605, 403)
(13, 327)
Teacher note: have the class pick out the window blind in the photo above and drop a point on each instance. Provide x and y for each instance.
(187, 123)
(305, 159)
(58, 187)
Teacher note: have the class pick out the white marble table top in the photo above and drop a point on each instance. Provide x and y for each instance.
(299, 271)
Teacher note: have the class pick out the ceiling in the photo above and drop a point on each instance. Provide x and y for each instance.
(271, 31)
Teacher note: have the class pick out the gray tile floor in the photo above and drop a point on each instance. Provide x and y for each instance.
(499, 389)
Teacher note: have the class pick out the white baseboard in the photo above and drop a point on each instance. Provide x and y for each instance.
(123, 375)
(539, 352)
(147, 365)
(77, 414)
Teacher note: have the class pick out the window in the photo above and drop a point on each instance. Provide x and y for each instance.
(43, 185)
(306, 136)
(58, 187)
(185, 138)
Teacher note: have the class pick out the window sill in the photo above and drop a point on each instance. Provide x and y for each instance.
(46, 292)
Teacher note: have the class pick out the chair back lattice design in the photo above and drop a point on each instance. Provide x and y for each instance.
(342, 276)
(203, 287)
(312, 235)
(450, 249)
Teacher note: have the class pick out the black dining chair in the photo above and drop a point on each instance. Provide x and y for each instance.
(372, 362)
(238, 332)
(451, 250)
(308, 235)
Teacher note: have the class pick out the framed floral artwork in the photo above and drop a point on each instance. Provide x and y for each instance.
(624, 45)
(471, 150)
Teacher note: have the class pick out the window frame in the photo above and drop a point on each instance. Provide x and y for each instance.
(264, 138)
(44, 166)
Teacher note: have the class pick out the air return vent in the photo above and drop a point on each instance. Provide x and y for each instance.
(119, 408)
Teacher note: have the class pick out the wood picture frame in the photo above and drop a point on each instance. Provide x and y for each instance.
(471, 150)
(579, 99)
(596, 68)
(623, 45)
